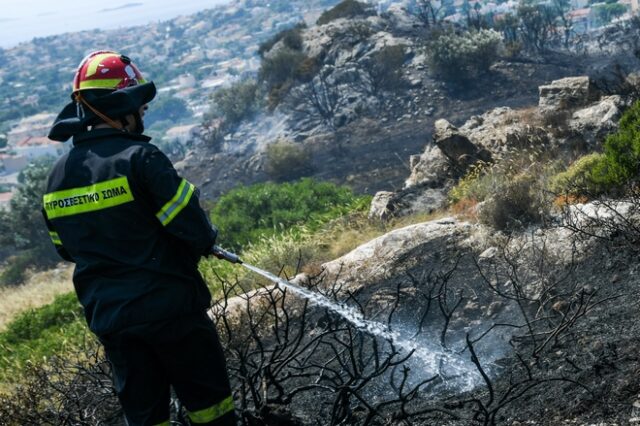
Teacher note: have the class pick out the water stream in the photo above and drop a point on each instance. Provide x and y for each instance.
(431, 358)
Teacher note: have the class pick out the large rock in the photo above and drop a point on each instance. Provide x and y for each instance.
(432, 168)
(503, 128)
(457, 147)
(380, 208)
(594, 123)
(566, 94)
(414, 200)
(401, 19)
(394, 253)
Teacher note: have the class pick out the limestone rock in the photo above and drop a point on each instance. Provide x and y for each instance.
(395, 251)
(595, 122)
(457, 147)
(503, 128)
(430, 168)
(417, 199)
(380, 205)
(566, 93)
(401, 19)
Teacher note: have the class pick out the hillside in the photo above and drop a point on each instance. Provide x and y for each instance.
(372, 99)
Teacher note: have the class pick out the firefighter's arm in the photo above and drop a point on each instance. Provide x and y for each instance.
(176, 203)
(55, 238)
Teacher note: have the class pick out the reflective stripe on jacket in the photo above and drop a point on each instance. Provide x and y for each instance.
(116, 207)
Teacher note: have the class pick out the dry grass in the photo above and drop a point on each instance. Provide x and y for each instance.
(39, 289)
(529, 116)
(465, 209)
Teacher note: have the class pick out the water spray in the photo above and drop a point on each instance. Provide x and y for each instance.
(434, 358)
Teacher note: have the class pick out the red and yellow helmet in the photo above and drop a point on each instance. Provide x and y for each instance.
(106, 70)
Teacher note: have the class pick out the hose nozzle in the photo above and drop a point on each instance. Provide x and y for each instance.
(223, 254)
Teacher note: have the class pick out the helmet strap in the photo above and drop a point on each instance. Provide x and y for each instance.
(139, 123)
(79, 98)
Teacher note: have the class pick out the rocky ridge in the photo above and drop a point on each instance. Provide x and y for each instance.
(372, 130)
(572, 115)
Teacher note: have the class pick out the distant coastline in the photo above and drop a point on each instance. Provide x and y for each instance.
(27, 21)
(124, 6)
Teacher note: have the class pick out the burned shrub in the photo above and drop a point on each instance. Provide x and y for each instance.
(515, 204)
(73, 391)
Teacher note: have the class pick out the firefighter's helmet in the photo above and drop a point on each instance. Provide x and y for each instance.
(107, 88)
(105, 69)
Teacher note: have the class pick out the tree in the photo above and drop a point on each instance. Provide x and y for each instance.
(346, 9)
(166, 108)
(563, 7)
(537, 24)
(22, 228)
(236, 102)
(609, 11)
(430, 12)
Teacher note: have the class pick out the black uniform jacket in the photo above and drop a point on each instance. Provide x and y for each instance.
(116, 207)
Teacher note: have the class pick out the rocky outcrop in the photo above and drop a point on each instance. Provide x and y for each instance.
(430, 168)
(594, 123)
(566, 94)
(503, 128)
(457, 147)
(413, 200)
(424, 191)
(395, 252)
(582, 124)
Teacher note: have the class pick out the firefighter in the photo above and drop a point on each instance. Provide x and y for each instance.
(116, 207)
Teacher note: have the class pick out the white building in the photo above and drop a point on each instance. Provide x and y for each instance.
(12, 163)
(35, 125)
(34, 147)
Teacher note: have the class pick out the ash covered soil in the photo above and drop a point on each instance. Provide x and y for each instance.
(556, 344)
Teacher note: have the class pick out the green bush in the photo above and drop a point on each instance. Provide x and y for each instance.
(41, 333)
(578, 179)
(291, 38)
(615, 169)
(247, 214)
(17, 266)
(454, 56)
(346, 9)
(287, 161)
(237, 102)
(22, 228)
(621, 153)
(33, 323)
(280, 67)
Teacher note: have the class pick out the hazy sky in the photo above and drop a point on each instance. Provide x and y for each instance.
(21, 20)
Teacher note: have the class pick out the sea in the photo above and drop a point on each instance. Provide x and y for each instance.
(22, 20)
